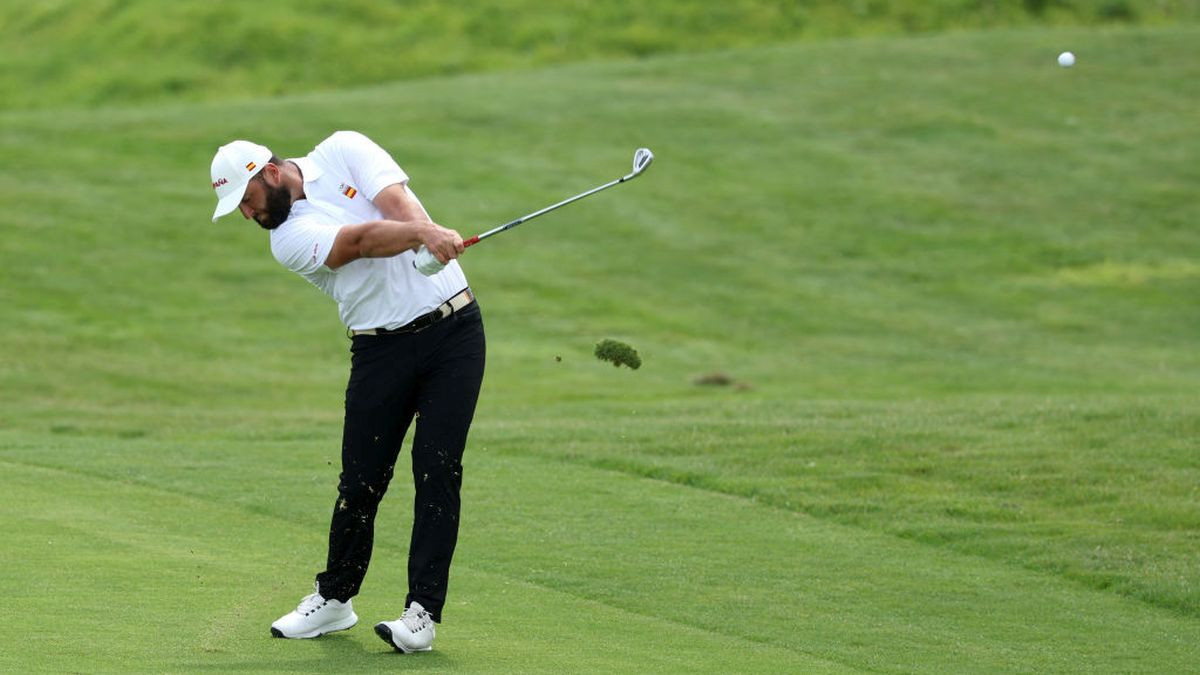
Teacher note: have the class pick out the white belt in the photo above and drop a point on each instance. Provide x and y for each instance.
(454, 304)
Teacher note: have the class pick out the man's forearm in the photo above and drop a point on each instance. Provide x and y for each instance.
(386, 238)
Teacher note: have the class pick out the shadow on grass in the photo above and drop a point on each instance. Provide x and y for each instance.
(338, 653)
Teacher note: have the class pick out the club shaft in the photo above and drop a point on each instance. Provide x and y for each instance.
(509, 225)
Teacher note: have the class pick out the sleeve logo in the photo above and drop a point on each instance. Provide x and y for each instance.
(347, 190)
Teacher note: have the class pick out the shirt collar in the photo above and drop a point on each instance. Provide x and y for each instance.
(308, 168)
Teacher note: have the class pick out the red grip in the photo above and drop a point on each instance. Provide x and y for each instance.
(472, 240)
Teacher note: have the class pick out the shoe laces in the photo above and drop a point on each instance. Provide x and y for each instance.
(310, 604)
(416, 619)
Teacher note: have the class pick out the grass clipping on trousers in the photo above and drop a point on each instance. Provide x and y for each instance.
(618, 353)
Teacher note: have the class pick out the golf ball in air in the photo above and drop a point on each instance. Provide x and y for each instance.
(1066, 59)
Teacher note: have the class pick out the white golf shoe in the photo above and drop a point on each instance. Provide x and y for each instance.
(314, 617)
(412, 632)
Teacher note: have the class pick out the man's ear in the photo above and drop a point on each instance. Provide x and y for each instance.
(272, 174)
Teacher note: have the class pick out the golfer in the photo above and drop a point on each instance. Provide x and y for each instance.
(343, 217)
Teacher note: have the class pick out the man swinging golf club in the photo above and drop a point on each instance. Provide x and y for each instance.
(343, 217)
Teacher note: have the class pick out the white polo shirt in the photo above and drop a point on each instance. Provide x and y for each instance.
(341, 177)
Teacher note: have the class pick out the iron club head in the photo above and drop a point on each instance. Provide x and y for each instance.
(641, 159)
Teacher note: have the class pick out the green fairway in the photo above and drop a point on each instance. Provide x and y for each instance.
(942, 291)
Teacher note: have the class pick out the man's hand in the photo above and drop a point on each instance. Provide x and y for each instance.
(444, 244)
(427, 264)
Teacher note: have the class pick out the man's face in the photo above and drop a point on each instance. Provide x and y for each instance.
(269, 205)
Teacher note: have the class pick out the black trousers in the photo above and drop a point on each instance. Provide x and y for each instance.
(434, 376)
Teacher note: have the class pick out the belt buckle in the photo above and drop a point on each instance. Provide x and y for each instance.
(423, 322)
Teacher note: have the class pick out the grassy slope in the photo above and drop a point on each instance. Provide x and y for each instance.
(126, 51)
(958, 280)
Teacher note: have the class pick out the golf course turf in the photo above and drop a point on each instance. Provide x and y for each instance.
(958, 283)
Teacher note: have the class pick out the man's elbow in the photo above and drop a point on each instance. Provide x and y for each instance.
(350, 245)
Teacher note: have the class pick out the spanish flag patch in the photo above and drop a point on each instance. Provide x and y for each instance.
(250, 166)
(350, 191)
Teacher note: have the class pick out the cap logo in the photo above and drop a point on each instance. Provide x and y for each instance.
(250, 166)
(348, 190)
(219, 182)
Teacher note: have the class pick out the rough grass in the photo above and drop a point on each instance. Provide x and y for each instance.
(121, 52)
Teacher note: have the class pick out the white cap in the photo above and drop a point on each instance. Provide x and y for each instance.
(232, 168)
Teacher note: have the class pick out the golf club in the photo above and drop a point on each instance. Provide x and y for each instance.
(641, 159)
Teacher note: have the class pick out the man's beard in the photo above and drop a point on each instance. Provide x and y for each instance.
(279, 205)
